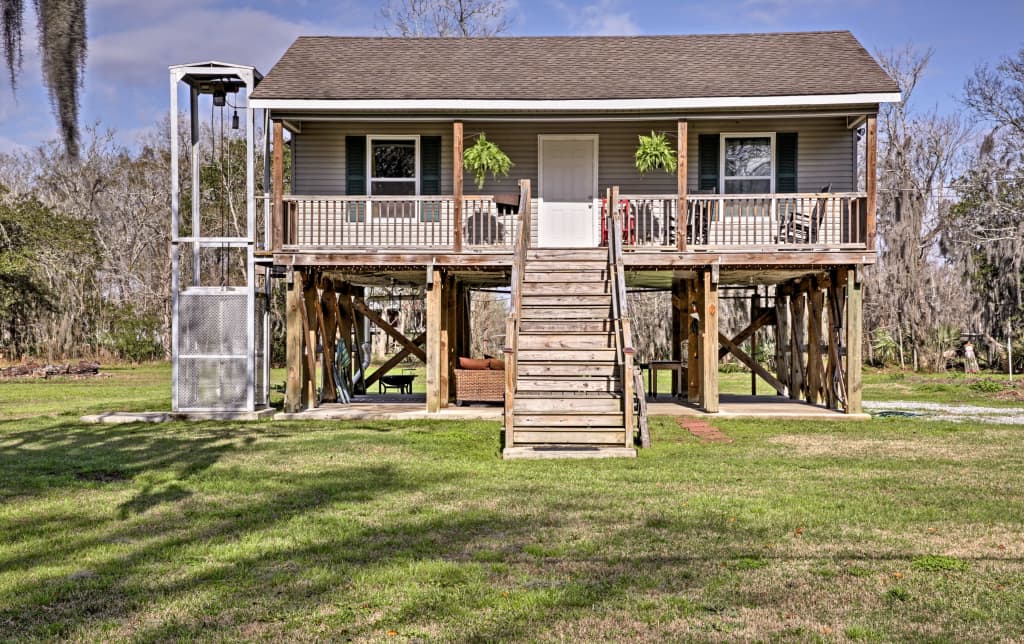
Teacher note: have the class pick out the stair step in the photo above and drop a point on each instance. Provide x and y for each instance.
(541, 274)
(530, 301)
(566, 341)
(566, 355)
(561, 421)
(582, 384)
(565, 254)
(563, 405)
(566, 288)
(547, 436)
(548, 368)
(596, 313)
(564, 326)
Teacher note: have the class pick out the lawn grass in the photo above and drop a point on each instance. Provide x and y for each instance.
(886, 530)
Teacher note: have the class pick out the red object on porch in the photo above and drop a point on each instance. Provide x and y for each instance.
(628, 223)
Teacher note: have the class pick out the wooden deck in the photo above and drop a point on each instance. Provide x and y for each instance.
(412, 407)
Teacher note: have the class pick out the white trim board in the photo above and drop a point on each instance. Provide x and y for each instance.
(604, 105)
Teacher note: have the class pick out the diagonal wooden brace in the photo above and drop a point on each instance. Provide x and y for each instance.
(766, 318)
(360, 306)
(751, 364)
(393, 361)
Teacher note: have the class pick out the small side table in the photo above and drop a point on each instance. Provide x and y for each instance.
(665, 365)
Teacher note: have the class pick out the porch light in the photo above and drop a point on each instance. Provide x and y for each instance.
(234, 121)
(219, 96)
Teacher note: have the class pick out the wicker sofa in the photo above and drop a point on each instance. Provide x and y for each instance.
(479, 385)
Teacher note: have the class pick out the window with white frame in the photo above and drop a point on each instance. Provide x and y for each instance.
(394, 168)
(748, 163)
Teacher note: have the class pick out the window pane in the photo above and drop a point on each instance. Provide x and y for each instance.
(747, 186)
(394, 159)
(748, 157)
(393, 188)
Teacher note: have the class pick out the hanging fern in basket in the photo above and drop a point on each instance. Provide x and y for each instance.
(484, 157)
(654, 153)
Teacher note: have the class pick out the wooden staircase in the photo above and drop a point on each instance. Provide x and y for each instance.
(569, 380)
(570, 385)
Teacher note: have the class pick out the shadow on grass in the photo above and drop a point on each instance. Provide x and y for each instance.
(268, 548)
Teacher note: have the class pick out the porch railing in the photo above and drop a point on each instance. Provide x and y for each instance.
(403, 223)
(803, 221)
(834, 220)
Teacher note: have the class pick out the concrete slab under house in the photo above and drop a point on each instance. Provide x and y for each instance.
(765, 184)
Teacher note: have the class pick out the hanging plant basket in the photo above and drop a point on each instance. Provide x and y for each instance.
(654, 153)
(483, 158)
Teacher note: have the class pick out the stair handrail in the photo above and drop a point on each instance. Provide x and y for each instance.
(511, 348)
(620, 314)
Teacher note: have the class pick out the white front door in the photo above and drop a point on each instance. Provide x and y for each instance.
(568, 186)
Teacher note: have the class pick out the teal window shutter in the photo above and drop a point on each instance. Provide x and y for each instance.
(708, 149)
(785, 162)
(430, 176)
(355, 175)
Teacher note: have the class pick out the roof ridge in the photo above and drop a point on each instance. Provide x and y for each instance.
(573, 36)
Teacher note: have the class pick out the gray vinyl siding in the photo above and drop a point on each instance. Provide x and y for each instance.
(826, 152)
(825, 149)
(318, 159)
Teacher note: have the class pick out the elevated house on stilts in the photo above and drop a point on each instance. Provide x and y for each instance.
(769, 133)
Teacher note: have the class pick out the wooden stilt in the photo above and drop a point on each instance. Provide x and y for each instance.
(359, 336)
(309, 323)
(814, 366)
(709, 342)
(295, 389)
(796, 346)
(345, 318)
(448, 339)
(693, 371)
(329, 306)
(854, 323)
(678, 304)
(782, 338)
(435, 324)
(755, 304)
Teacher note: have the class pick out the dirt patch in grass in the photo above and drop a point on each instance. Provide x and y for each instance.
(813, 445)
(703, 430)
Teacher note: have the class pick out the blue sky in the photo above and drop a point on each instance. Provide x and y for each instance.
(131, 42)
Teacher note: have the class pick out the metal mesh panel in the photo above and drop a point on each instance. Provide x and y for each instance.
(212, 323)
(212, 349)
(211, 383)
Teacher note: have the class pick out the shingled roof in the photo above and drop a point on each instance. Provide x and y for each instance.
(575, 68)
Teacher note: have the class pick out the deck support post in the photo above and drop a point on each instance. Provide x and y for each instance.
(682, 142)
(437, 368)
(457, 142)
(814, 365)
(311, 304)
(345, 319)
(854, 330)
(360, 335)
(782, 344)
(755, 306)
(693, 370)
(871, 178)
(678, 331)
(277, 186)
(709, 340)
(796, 342)
(295, 387)
(329, 307)
(450, 339)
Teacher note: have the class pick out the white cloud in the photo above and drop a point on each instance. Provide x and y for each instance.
(601, 18)
(142, 54)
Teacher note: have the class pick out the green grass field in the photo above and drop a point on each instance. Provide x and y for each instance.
(886, 530)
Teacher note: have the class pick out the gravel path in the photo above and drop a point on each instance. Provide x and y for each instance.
(951, 412)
